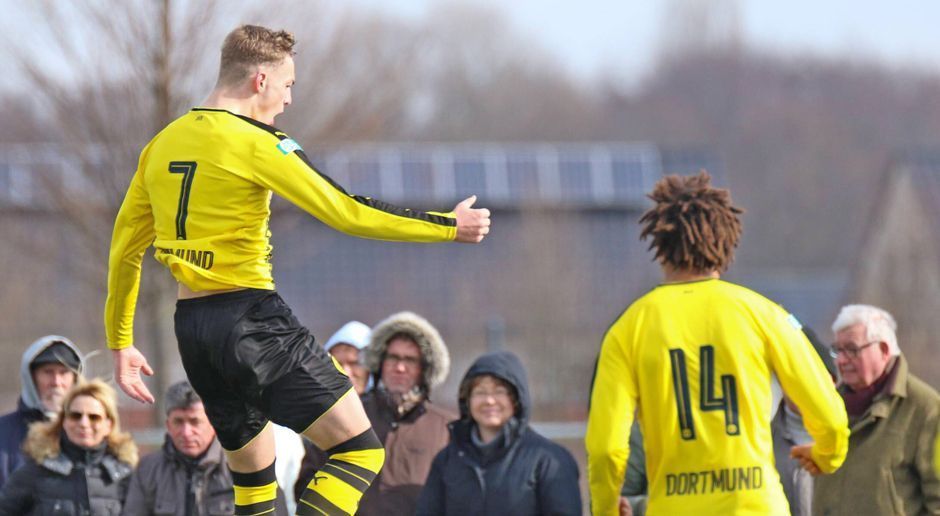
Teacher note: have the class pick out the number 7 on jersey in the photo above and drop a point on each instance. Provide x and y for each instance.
(188, 169)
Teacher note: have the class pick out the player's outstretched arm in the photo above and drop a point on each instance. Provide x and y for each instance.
(472, 223)
(128, 364)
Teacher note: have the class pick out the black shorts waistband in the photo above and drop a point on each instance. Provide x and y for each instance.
(225, 297)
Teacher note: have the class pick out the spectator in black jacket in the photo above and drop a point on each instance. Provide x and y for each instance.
(495, 464)
(78, 463)
(49, 368)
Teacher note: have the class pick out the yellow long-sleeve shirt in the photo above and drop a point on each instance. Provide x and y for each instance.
(201, 195)
(694, 362)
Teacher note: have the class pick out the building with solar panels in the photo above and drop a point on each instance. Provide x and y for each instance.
(562, 261)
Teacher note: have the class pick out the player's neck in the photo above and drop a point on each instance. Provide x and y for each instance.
(230, 101)
(674, 275)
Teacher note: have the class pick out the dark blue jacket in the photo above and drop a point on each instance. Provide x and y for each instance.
(13, 428)
(527, 475)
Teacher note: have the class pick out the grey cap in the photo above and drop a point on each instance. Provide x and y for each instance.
(58, 353)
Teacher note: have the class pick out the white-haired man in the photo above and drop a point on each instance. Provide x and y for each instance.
(893, 416)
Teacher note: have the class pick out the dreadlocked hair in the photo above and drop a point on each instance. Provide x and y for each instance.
(693, 225)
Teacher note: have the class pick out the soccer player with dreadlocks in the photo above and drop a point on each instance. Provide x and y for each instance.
(692, 360)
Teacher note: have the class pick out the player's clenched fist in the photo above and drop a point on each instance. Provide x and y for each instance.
(472, 223)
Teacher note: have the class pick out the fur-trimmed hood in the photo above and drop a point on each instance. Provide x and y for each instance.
(433, 350)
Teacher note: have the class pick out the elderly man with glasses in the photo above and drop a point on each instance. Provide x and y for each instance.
(893, 417)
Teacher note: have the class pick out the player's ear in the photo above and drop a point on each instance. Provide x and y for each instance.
(259, 81)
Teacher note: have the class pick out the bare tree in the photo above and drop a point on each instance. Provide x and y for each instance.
(481, 80)
(109, 76)
(112, 74)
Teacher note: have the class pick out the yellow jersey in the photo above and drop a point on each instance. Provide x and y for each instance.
(201, 196)
(694, 362)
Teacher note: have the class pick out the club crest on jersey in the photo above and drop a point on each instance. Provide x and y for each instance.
(794, 322)
(287, 146)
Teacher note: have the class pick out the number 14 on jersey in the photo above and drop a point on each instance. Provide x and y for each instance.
(708, 400)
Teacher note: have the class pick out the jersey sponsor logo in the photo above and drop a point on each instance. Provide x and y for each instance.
(714, 481)
(197, 257)
(794, 321)
(287, 146)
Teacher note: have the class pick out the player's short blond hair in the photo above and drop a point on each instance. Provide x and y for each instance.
(249, 46)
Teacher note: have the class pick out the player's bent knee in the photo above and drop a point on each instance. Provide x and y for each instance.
(338, 486)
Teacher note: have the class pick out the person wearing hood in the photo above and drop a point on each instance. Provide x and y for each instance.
(50, 367)
(495, 463)
(408, 359)
(346, 346)
(79, 462)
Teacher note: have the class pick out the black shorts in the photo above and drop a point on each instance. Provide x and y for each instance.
(250, 360)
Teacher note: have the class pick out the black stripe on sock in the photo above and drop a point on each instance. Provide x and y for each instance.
(305, 510)
(365, 441)
(331, 468)
(355, 469)
(315, 499)
(256, 479)
(255, 508)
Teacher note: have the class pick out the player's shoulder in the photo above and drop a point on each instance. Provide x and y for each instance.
(638, 305)
(747, 296)
(221, 120)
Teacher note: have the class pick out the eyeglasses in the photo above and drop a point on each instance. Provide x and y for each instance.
(502, 394)
(409, 362)
(851, 352)
(94, 419)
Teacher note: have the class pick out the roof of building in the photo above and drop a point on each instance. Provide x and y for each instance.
(569, 175)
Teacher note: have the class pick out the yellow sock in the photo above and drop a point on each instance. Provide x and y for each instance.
(339, 485)
(255, 493)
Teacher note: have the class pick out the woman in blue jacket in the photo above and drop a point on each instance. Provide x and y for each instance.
(495, 464)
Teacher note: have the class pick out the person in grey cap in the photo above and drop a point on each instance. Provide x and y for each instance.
(50, 367)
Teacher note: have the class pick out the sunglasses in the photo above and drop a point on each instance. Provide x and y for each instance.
(75, 417)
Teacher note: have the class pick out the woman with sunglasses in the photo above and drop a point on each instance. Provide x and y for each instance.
(78, 463)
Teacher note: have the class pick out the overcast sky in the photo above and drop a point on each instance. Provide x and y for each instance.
(622, 37)
(592, 35)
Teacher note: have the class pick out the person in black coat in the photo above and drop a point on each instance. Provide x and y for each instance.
(79, 463)
(495, 463)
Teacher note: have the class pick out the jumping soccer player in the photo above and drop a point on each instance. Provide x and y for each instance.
(693, 360)
(201, 195)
